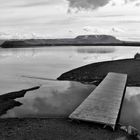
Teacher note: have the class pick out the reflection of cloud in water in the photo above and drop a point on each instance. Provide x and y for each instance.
(96, 50)
(55, 103)
(130, 114)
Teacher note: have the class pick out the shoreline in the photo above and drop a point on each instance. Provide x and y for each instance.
(94, 73)
(8, 100)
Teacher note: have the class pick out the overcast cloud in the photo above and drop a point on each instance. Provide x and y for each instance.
(94, 4)
(45, 17)
(42, 2)
(87, 4)
(79, 4)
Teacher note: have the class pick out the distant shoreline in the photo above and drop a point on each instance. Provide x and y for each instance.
(83, 40)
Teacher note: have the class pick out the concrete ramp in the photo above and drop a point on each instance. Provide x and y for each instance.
(104, 103)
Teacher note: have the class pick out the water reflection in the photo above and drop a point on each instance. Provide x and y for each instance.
(57, 99)
(98, 50)
(130, 114)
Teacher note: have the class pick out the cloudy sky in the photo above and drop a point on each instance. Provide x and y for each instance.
(68, 18)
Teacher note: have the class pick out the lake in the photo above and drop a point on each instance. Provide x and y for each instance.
(23, 68)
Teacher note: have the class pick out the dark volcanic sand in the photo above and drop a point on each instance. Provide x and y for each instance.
(96, 72)
(56, 129)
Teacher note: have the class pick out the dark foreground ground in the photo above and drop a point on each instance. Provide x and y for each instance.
(56, 129)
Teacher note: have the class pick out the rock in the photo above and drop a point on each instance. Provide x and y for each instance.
(137, 56)
(131, 131)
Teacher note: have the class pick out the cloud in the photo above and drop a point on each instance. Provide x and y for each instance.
(137, 4)
(87, 4)
(95, 4)
(127, 1)
(29, 3)
(41, 2)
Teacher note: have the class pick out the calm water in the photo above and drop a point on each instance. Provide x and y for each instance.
(56, 98)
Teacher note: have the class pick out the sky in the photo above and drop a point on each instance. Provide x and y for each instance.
(69, 18)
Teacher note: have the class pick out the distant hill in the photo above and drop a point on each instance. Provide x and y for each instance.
(78, 41)
(97, 39)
